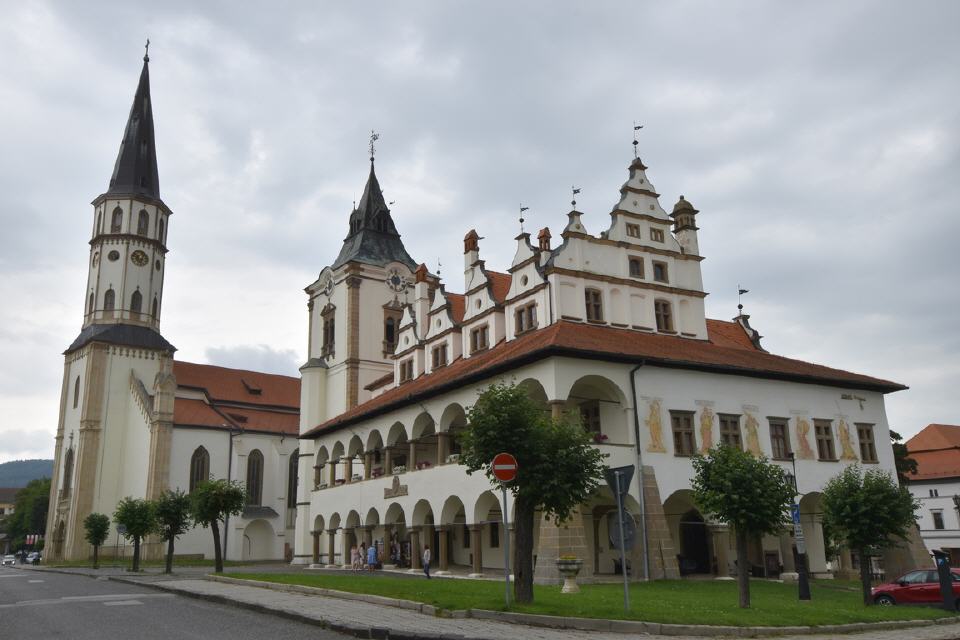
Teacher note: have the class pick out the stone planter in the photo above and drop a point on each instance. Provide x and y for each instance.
(569, 568)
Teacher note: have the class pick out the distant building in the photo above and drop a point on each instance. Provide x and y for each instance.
(8, 498)
(936, 484)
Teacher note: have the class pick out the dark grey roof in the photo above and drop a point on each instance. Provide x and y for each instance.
(135, 172)
(121, 334)
(251, 512)
(373, 238)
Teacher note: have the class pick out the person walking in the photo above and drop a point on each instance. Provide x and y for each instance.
(426, 560)
(354, 557)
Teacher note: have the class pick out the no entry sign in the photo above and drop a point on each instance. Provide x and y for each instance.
(504, 467)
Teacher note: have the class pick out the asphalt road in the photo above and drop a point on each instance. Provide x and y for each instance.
(44, 605)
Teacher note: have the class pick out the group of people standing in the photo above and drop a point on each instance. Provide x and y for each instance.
(364, 558)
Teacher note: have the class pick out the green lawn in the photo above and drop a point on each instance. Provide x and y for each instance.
(669, 601)
(128, 562)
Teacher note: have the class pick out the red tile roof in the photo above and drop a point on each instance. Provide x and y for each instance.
(237, 399)
(458, 304)
(8, 495)
(729, 334)
(937, 452)
(599, 342)
(500, 284)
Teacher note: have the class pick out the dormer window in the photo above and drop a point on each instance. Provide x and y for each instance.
(406, 370)
(480, 339)
(656, 235)
(633, 230)
(660, 271)
(664, 316)
(526, 318)
(594, 302)
(439, 355)
(636, 267)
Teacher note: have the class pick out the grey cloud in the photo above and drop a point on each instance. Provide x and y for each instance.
(255, 358)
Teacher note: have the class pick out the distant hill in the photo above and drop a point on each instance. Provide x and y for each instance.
(17, 473)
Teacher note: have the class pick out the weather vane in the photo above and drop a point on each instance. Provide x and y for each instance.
(573, 202)
(636, 127)
(438, 268)
(522, 209)
(740, 292)
(146, 51)
(374, 136)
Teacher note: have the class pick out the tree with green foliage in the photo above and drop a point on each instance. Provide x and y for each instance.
(96, 526)
(173, 519)
(750, 494)
(559, 468)
(139, 516)
(901, 458)
(866, 512)
(29, 512)
(210, 504)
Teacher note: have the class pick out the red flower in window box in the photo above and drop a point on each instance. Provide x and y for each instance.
(599, 437)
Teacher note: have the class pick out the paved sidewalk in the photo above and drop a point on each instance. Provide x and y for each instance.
(337, 612)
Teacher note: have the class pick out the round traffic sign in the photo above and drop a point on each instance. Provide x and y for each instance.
(504, 467)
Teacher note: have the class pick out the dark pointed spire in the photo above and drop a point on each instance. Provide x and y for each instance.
(135, 172)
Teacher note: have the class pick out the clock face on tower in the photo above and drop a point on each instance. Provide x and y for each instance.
(396, 281)
(139, 258)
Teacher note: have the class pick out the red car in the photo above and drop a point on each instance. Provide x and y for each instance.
(921, 586)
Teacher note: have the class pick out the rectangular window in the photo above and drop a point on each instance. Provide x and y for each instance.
(730, 430)
(663, 315)
(439, 355)
(633, 230)
(937, 519)
(934, 493)
(824, 431)
(868, 450)
(494, 535)
(636, 267)
(779, 439)
(594, 301)
(329, 334)
(526, 318)
(406, 370)
(656, 235)
(660, 271)
(684, 440)
(479, 339)
(590, 416)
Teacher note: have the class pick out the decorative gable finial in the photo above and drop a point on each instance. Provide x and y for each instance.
(146, 51)
(374, 136)
(573, 201)
(522, 209)
(636, 127)
(740, 292)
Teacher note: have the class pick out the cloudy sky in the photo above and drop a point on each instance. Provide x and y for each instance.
(818, 140)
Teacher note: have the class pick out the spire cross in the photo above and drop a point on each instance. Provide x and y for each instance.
(522, 209)
(374, 136)
(575, 190)
(146, 51)
(636, 127)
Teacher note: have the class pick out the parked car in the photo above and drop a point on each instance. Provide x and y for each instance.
(9, 560)
(33, 557)
(921, 586)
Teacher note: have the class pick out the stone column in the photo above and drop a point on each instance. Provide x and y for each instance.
(333, 473)
(345, 543)
(813, 535)
(348, 470)
(412, 457)
(786, 553)
(476, 548)
(443, 446)
(317, 476)
(387, 460)
(444, 548)
(556, 409)
(368, 536)
(331, 547)
(415, 548)
(316, 546)
(367, 464)
(720, 533)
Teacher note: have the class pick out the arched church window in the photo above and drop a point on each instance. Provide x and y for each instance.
(199, 467)
(160, 235)
(254, 478)
(68, 470)
(93, 301)
(99, 227)
(143, 222)
(76, 392)
(153, 311)
(390, 332)
(108, 300)
(292, 479)
(136, 302)
(117, 220)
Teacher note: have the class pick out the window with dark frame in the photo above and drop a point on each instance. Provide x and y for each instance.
(76, 392)
(590, 416)
(730, 430)
(116, 222)
(937, 519)
(656, 234)
(329, 333)
(660, 271)
(143, 223)
(664, 315)
(466, 536)
(292, 479)
(934, 493)
(824, 433)
(255, 478)
(136, 302)
(526, 318)
(494, 535)
(108, 300)
(406, 370)
(779, 439)
(439, 355)
(480, 339)
(684, 439)
(633, 230)
(594, 302)
(68, 471)
(868, 449)
(199, 467)
(636, 267)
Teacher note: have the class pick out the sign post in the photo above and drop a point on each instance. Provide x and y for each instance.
(619, 480)
(803, 581)
(504, 467)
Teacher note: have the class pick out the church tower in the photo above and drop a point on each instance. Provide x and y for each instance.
(111, 427)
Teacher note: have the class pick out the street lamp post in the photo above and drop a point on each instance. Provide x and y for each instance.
(803, 580)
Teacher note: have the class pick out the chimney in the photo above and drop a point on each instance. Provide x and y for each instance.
(544, 239)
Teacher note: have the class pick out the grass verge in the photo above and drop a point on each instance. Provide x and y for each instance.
(668, 601)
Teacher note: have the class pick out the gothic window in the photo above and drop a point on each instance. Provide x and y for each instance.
(684, 439)
(660, 271)
(108, 300)
(199, 467)
(664, 316)
(117, 221)
(68, 470)
(779, 439)
(160, 235)
(136, 302)
(255, 478)
(329, 331)
(590, 416)
(76, 392)
(93, 301)
(824, 431)
(143, 223)
(636, 267)
(730, 430)
(868, 450)
(155, 307)
(594, 302)
(292, 479)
